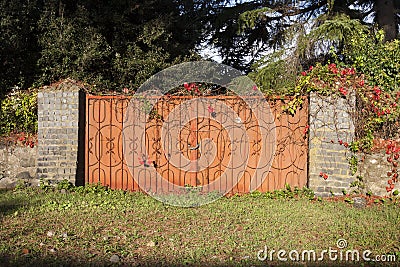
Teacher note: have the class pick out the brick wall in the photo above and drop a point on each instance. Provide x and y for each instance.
(60, 133)
(330, 121)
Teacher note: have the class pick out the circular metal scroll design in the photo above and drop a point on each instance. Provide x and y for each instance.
(145, 100)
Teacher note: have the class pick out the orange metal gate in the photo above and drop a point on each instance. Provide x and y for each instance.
(106, 158)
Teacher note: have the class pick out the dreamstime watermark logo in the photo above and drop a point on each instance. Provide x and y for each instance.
(147, 97)
(340, 253)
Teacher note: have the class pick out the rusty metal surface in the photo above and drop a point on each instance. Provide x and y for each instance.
(106, 155)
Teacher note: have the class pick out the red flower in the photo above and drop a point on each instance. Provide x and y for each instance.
(332, 68)
(361, 83)
(255, 88)
(343, 91)
(340, 142)
(144, 161)
(346, 144)
(187, 86)
(311, 68)
(303, 73)
(305, 131)
(323, 175)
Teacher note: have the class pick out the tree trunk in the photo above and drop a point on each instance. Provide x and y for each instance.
(386, 18)
(340, 7)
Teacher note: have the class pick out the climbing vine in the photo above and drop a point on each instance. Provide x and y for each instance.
(376, 114)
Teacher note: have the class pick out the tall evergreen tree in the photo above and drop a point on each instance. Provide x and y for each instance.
(116, 43)
(266, 24)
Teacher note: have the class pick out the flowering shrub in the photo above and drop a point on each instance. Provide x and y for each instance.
(377, 112)
(328, 79)
(18, 113)
(392, 150)
(379, 61)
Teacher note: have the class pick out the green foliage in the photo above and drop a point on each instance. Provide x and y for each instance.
(353, 162)
(335, 31)
(327, 79)
(278, 71)
(96, 188)
(378, 60)
(377, 112)
(275, 75)
(45, 185)
(64, 184)
(249, 19)
(358, 185)
(112, 45)
(19, 49)
(71, 48)
(21, 185)
(136, 65)
(18, 112)
(286, 193)
(349, 200)
(74, 47)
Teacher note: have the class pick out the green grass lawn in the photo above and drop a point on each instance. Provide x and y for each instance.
(87, 228)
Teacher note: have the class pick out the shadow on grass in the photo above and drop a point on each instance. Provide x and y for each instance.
(30, 260)
(11, 205)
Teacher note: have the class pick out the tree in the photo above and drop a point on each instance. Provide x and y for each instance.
(266, 24)
(19, 49)
(114, 43)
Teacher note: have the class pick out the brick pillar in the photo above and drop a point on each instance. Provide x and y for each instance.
(61, 132)
(330, 121)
